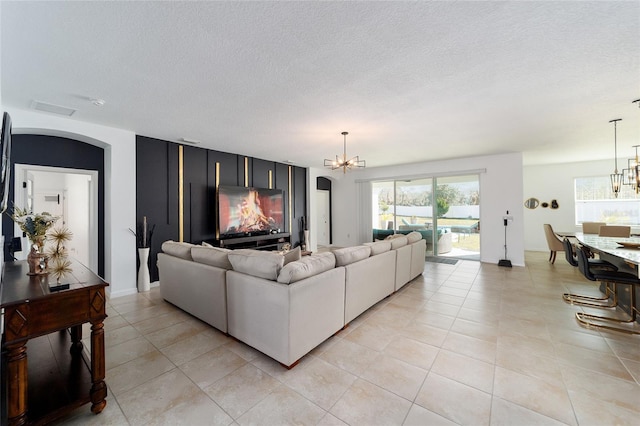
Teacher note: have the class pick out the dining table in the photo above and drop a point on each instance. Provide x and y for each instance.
(626, 250)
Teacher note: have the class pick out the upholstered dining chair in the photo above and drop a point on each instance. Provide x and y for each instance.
(592, 227)
(615, 231)
(570, 255)
(553, 241)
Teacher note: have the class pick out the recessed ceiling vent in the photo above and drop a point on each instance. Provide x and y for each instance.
(191, 141)
(55, 109)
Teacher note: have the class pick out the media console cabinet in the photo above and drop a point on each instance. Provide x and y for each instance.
(257, 242)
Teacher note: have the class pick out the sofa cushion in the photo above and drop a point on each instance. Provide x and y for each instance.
(379, 247)
(292, 255)
(347, 255)
(306, 267)
(413, 236)
(175, 249)
(393, 236)
(398, 241)
(261, 264)
(206, 244)
(214, 256)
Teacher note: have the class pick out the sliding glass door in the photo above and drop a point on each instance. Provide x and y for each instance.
(448, 217)
(458, 216)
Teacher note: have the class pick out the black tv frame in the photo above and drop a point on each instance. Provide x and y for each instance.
(5, 161)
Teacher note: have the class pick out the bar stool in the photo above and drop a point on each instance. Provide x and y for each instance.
(593, 265)
(608, 277)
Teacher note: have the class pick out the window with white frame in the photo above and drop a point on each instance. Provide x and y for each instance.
(595, 202)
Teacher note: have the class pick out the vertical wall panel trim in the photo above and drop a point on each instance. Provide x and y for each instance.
(246, 171)
(168, 184)
(217, 198)
(270, 179)
(290, 200)
(181, 193)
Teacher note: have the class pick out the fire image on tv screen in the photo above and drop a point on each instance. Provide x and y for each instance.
(250, 210)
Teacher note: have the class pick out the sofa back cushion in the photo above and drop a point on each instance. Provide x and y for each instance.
(261, 264)
(413, 236)
(214, 256)
(175, 249)
(379, 247)
(397, 241)
(306, 267)
(347, 255)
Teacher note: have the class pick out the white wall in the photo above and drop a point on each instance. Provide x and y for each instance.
(555, 181)
(120, 189)
(77, 187)
(501, 189)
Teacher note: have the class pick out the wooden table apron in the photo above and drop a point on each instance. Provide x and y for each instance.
(32, 310)
(627, 259)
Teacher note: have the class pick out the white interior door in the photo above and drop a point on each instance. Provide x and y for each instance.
(323, 214)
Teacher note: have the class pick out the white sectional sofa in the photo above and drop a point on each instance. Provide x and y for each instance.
(370, 272)
(284, 313)
(284, 306)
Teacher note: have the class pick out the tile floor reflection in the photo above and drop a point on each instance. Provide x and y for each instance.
(467, 344)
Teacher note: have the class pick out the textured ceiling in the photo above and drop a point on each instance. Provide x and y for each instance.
(410, 81)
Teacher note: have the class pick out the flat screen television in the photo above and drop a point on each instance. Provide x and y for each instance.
(244, 211)
(5, 161)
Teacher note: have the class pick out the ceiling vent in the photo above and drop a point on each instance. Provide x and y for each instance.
(191, 141)
(55, 109)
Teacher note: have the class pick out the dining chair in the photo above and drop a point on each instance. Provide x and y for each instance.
(615, 231)
(592, 227)
(553, 241)
(609, 278)
(594, 265)
(572, 258)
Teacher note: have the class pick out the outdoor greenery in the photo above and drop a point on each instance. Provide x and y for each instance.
(408, 196)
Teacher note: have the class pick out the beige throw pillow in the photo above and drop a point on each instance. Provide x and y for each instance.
(292, 255)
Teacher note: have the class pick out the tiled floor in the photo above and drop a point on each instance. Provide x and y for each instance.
(469, 344)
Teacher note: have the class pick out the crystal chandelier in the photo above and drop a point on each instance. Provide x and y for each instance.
(616, 178)
(632, 173)
(343, 163)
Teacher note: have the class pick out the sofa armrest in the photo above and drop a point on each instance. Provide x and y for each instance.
(196, 288)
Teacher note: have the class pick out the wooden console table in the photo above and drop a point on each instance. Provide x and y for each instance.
(31, 310)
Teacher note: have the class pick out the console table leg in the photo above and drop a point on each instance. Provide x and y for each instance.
(99, 387)
(17, 378)
(76, 339)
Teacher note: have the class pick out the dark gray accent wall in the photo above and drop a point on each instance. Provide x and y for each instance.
(157, 189)
(53, 151)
